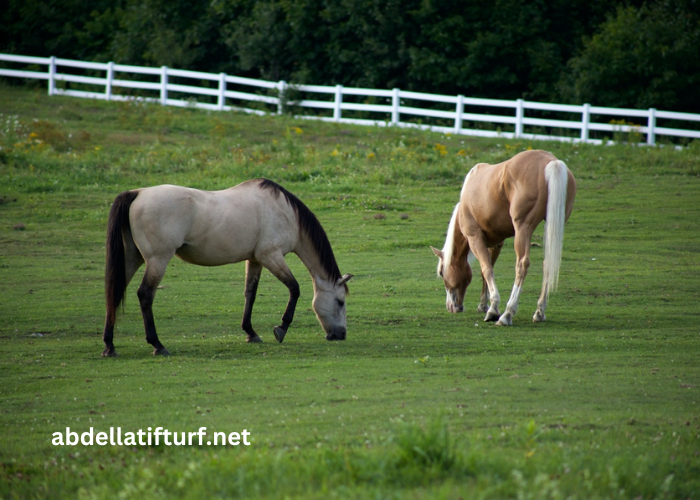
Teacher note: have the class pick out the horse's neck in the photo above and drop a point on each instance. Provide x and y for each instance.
(460, 247)
(456, 246)
(306, 252)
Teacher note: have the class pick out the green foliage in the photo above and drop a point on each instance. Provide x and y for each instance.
(424, 449)
(178, 34)
(503, 49)
(600, 401)
(642, 58)
(619, 53)
(64, 28)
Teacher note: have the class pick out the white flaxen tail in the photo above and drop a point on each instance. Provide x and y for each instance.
(556, 175)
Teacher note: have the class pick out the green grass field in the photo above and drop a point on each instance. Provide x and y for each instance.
(600, 401)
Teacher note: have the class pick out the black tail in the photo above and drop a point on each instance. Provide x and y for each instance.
(115, 271)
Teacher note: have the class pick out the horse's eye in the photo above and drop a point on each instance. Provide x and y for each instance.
(341, 303)
(441, 268)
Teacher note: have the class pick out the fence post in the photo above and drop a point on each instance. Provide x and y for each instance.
(585, 121)
(52, 75)
(108, 84)
(281, 96)
(164, 85)
(459, 112)
(651, 127)
(222, 91)
(395, 103)
(519, 118)
(338, 102)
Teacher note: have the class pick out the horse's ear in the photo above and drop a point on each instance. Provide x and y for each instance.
(344, 279)
(438, 253)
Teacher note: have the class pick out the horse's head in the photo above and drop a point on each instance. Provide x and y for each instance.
(329, 306)
(457, 276)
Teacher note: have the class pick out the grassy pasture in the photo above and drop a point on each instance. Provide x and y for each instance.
(599, 401)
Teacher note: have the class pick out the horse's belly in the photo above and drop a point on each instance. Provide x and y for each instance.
(493, 225)
(496, 230)
(212, 254)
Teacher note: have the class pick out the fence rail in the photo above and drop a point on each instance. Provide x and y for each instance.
(217, 92)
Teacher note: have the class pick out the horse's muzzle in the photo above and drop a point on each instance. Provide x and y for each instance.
(337, 334)
(452, 302)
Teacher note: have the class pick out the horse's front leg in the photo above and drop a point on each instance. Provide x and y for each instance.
(278, 267)
(484, 300)
(291, 283)
(478, 246)
(252, 278)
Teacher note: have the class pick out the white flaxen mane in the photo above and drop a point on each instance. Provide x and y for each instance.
(448, 249)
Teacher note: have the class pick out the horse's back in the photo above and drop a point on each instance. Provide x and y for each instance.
(496, 195)
(206, 227)
(525, 178)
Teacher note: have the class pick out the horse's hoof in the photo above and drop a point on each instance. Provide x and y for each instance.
(279, 333)
(505, 321)
(492, 316)
(109, 353)
(255, 339)
(161, 352)
(482, 308)
(538, 317)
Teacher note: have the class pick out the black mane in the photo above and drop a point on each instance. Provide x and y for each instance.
(309, 225)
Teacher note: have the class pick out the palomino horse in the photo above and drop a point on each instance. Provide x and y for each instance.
(497, 202)
(257, 221)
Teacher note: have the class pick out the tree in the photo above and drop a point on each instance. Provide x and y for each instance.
(642, 57)
(175, 33)
(503, 49)
(57, 27)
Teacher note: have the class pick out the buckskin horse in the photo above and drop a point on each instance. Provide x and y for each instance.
(257, 221)
(496, 203)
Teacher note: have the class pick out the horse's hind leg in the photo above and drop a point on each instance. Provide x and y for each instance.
(523, 235)
(252, 278)
(132, 261)
(155, 270)
(541, 304)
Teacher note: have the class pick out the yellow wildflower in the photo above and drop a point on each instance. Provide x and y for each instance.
(440, 148)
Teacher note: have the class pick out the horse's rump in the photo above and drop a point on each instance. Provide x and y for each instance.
(496, 196)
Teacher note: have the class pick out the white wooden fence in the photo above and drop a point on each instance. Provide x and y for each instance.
(389, 104)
